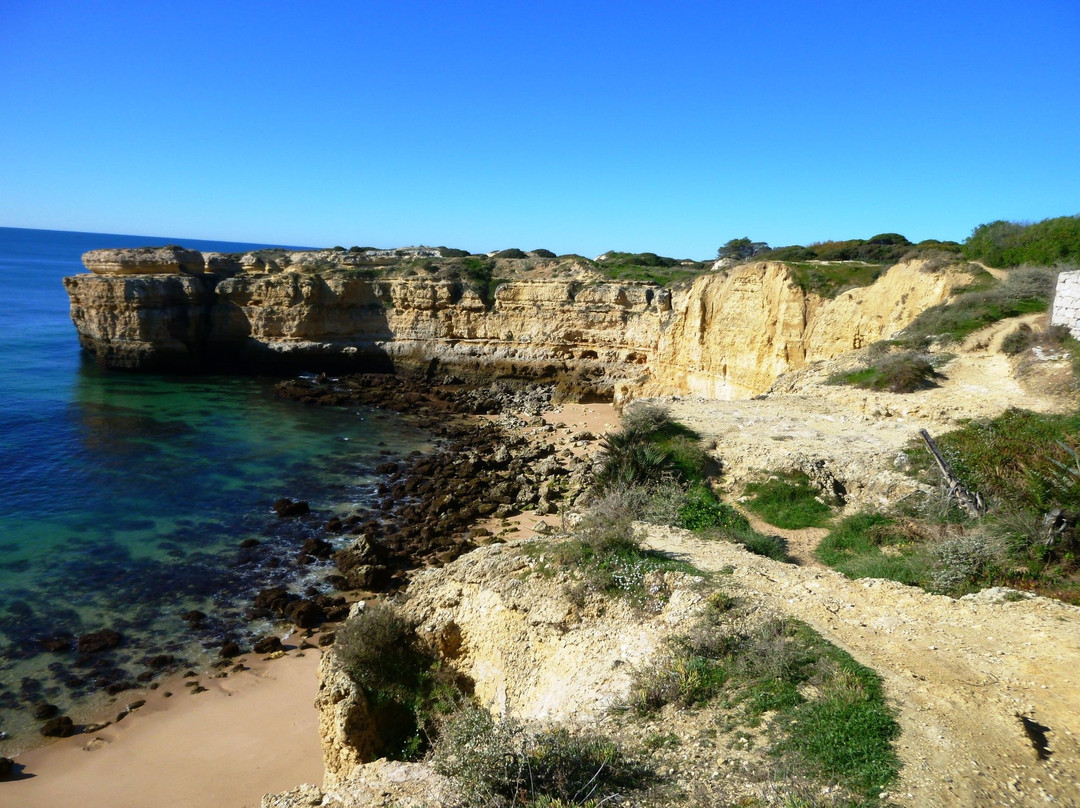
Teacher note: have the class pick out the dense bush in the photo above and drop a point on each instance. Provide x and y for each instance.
(405, 686)
(513, 252)
(1010, 244)
(905, 372)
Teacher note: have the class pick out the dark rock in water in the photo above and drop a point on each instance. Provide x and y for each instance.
(268, 645)
(193, 618)
(247, 544)
(386, 468)
(290, 507)
(229, 650)
(160, 661)
(60, 727)
(99, 641)
(61, 642)
(334, 525)
(43, 710)
(305, 613)
(119, 687)
(319, 548)
(7, 768)
(274, 599)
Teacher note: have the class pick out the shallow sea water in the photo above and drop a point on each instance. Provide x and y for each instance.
(124, 497)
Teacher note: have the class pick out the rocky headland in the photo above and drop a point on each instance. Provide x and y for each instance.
(724, 334)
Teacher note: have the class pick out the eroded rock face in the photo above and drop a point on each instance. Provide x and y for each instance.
(728, 335)
(531, 647)
(144, 261)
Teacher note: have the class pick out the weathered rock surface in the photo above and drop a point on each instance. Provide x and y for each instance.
(533, 647)
(144, 261)
(728, 335)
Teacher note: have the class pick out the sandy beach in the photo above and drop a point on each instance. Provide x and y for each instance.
(248, 734)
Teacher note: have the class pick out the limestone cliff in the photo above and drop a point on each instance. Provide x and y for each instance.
(533, 646)
(727, 335)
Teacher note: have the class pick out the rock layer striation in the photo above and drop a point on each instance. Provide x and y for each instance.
(728, 334)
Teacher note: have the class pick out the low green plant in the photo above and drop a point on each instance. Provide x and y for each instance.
(499, 762)
(1024, 291)
(788, 501)
(905, 372)
(405, 685)
(841, 729)
(702, 510)
(857, 545)
(605, 551)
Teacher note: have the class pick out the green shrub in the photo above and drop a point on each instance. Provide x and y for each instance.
(963, 561)
(905, 372)
(405, 686)
(788, 501)
(649, 448)
(500, 762)
(1010, 244)
(701, 510)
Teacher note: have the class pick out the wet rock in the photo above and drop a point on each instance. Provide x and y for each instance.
(268, 645)
(326, 639)
(305, 613)
(247, 544)
(285, 507)
(229, 650)
(160, 661)
(58, 643)
(43, 710)
(333, 525)
(99, 641)
(274, 599)
(7, 768)
(193, 618)
(60, 727)
(319, 548)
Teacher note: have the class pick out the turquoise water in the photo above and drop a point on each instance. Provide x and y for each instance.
(124, 497)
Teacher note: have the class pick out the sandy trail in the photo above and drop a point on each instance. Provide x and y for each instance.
(959, 672)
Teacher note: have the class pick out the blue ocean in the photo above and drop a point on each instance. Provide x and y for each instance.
(124, 497)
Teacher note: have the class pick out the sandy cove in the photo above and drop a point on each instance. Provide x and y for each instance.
(248, 734)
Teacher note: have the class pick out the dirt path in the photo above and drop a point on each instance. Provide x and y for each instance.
(959, 672)
(799, 544)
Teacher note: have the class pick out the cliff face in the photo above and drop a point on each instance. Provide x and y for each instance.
(728, 335)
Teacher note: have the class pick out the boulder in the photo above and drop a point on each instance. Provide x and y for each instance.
(286, 507)
(60, 727)
(98, 641)
(268, 645)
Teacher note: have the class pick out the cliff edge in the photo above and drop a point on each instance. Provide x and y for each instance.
(726, 334)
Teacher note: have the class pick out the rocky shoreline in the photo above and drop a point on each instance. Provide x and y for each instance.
(428, 511)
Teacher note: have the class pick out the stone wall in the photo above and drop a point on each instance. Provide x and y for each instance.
(1066, 310)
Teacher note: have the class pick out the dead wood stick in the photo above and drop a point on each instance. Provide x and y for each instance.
(970, 502)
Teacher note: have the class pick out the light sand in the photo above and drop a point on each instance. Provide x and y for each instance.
(248, 734)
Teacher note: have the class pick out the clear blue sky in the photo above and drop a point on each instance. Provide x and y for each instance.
(574, 126)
